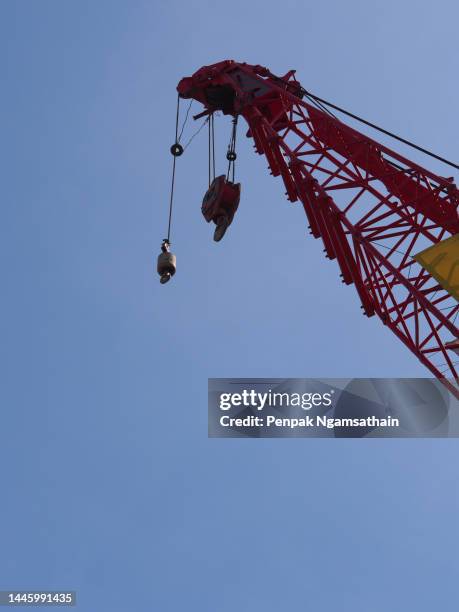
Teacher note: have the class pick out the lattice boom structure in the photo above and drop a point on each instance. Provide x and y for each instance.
(372, 208)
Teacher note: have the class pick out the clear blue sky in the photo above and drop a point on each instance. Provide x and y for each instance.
(109, 483)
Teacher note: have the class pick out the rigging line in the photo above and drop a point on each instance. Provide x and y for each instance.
(185, 120)
(390, 248)
(313, 99)
(448, 307)
(445, 366)
(177, 118)
(380, 129)
(195, 134)
(408, 170)
(320, 106)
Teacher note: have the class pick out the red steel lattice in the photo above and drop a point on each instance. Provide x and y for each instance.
(372, 208)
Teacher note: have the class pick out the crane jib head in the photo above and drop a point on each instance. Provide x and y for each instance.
(231, 87)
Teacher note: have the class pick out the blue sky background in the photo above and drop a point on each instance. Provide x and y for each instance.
(109, 483)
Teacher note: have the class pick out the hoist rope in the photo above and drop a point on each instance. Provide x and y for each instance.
(321, 101)
(231, 154)
(234, 145)
(320, 106)
(171, 201)
(390, 161)
(211, 146)
(380, 129)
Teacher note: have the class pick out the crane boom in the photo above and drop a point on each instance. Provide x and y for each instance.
(373, 209)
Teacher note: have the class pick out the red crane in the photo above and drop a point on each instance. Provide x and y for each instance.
(373, 209)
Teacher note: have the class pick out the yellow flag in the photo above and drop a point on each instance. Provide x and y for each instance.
(442, 261)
